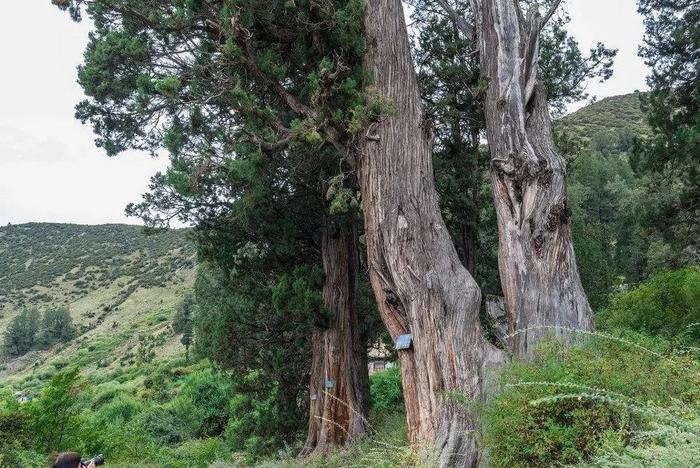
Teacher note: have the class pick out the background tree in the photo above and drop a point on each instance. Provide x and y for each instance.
(57, 325)
(182, 321)
(21, 333)
(670, 158)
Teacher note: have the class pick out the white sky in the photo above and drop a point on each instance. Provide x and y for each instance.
(50, 169)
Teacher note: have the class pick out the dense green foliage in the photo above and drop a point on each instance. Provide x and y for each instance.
(604, 396)
(269, 321)
(164, 413)
(385, 389)
(670, 157)
(571, 403)
(668, 304)
(121, 416)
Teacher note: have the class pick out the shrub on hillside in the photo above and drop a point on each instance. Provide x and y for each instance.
(668, 304)
(204, 400)
(57, 326)
(568, 402)
(21, 333)
(164, 425)
(119, 410)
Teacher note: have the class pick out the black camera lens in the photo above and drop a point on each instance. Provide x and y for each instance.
(98, 460)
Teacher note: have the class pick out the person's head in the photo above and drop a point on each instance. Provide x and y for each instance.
(66, 460)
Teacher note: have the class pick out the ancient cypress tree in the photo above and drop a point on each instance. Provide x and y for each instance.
(453, 90)
(422, 288)
(536, 261)
(226, 86)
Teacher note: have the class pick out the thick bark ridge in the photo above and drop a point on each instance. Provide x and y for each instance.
(338, 384)
(420, 284)
(539, 277)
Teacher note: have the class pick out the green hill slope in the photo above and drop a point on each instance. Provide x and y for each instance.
(612, 116)
(120, 284)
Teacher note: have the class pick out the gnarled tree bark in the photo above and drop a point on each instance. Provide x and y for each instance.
(539, 277)
(420, 284)
(339, 378)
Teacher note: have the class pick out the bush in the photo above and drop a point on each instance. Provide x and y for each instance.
(105, 393)
(668, 304)
(568, 403)
(57, 326)
(259, 422)
(199, 452)
(386, 392)
(204, 400)
(164, 426)
(119, 410)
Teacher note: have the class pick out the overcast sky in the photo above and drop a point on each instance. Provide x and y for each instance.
(50, 169)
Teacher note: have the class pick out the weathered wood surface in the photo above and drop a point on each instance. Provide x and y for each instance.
(337, 414)
(539, 276)
(420, 284)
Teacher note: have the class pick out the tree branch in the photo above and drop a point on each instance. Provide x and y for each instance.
(462, 24)
(243, 37)
(550, 13)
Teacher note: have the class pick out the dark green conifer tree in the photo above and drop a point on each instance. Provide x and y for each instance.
(670, 159)
(258, 105)
(20, 336)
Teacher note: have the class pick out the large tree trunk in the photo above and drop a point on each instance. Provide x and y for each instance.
(339, 377)
(539, 277)
(420, 284)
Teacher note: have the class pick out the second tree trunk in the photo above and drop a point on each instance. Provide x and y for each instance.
(539, 277)
(421, 287)
(338, 382)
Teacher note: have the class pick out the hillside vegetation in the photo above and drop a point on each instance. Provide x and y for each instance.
(120, 285)
(615, 115)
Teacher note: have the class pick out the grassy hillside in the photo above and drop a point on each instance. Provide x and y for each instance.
(610, 116)
(120, 284)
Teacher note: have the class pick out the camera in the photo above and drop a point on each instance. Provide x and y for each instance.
(97, 460)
